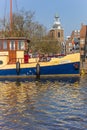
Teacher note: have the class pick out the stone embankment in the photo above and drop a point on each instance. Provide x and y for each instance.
(83, 67)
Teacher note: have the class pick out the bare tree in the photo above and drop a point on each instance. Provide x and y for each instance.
(23, 24)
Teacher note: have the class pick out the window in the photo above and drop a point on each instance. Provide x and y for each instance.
(86, 55)
(12, 45)
(82, 56)
(82, 49)
(86, 47)
(82, 41)
(70, 44)
(70, 49)
(4, 45)
(21, 45)
(58, 34)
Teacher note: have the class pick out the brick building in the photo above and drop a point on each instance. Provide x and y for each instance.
(73, 42)
(68, 45)
(83, 45)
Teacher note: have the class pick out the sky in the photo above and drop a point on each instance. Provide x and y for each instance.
(72, 13)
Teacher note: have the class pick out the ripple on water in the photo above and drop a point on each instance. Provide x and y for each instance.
(43, 105)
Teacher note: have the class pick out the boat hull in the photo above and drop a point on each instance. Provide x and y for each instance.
(67, 69)
(64, 66)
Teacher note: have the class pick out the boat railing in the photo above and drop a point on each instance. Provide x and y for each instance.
(23, 60)
(30, 60)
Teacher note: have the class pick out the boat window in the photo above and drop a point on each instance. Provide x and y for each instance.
(21, 45)
(12, 45)
(0, 45)
(5, 45)
(1, 62)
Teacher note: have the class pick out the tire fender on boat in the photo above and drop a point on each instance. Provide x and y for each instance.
(18, 67)
(37, 69)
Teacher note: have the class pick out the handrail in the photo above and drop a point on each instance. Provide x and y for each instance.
(14, 60)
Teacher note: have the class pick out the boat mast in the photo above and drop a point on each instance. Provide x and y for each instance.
(10, 15)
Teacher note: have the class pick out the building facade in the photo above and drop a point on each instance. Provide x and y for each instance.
(69, 45)
(83, 45)
(73, 42)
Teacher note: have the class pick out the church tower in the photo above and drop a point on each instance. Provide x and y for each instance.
(57, 32)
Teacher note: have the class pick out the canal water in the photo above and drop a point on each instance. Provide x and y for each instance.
(46, 104)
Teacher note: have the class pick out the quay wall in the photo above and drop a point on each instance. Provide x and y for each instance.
(83, 67)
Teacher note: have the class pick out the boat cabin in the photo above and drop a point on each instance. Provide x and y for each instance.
(12, 49)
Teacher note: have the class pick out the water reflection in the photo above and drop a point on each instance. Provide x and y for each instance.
(43, 104)
(44, 79)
